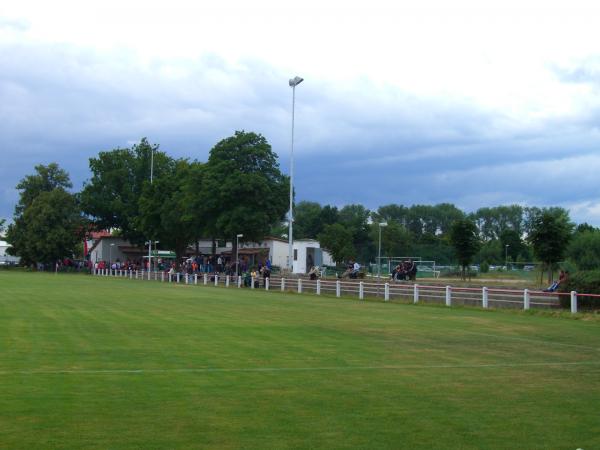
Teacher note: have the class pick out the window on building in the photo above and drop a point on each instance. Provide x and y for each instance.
(296, 255)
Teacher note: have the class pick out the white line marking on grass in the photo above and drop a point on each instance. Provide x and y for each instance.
(291, 369)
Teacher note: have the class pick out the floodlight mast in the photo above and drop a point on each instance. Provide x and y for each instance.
(293, 83)
(381, 225)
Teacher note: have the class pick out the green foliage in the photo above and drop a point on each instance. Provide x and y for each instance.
(47, 223)
(484, 267)
(463, 236)
(243, 190)
(337, 239)
(395, 239)
(2, 222)
(112, 196)
(550, 235)
(584, 249)
(308, 220)
(584, 281)
(169, 207)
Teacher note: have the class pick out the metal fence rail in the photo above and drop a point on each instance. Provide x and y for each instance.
(396, 292)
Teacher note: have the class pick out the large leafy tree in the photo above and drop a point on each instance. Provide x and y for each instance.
(307, 220)
(337, 239)
(550, 234)
(111, 197)
(244, 192)
(464, 239)
(170, 210)
(47, 223)
(355, 218)
(584, 249)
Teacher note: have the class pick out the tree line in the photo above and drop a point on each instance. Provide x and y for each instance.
(241, 190)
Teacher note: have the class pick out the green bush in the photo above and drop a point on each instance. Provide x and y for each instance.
(584, 281)
(484, 267)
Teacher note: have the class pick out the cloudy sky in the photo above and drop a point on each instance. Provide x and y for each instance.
(477, 103)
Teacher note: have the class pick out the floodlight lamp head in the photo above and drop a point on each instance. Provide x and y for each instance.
(383, 224)
(296, 81)
(240, 235)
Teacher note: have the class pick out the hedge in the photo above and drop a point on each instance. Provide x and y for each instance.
(582, 281)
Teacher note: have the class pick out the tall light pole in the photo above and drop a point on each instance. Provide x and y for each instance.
(151, 180)
(381, 225)
(293, 83)
(237, 259)
(506, 255)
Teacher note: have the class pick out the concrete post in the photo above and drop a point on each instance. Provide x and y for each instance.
(195, 278)
(526, 299)
(205, 279)
(416, 293)
(239, 281)
(162, 277)
(338, 288)
(386, 292)
(484, 297)
(299, 285)
(227, 281)
(216, 279)
(177, 277)
(282, 284)
(448, 295)
(187, 279)
(252, 286)
(267, 284)
(361, 290)
(318, 287)
(573, 302)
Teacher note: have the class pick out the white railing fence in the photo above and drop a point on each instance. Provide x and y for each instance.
(484, 297)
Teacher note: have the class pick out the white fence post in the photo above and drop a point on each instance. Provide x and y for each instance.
(136, 274)
(239, 281)
(162, 277)
(573, 302)
(361, 290)
(484, 297)
(177, 277)
(267, 284)
(416, 293)
(338, 288)
(526, 299)
(130, 274)
(195, 278)
(299, 285)
(282, 284)
(252, 286)
(149, 275)
(187, 279)
(386, 292)
(448, 296)
(216, 279)
(205, 279)
(227, 281)
(318, 287)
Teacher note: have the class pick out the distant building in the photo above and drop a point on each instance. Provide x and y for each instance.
(6, 259)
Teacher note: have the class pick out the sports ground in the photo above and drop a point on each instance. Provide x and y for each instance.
(98, 362)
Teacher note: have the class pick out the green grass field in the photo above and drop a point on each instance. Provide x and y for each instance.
(92, 362)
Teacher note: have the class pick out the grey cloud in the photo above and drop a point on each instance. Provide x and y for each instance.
(364, 143)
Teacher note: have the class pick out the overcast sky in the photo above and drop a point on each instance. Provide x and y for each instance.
(403, 102)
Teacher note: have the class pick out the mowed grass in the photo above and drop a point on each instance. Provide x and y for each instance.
(92, 362)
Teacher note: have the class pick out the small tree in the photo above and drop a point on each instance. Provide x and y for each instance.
(463, 236)
(549, 236)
